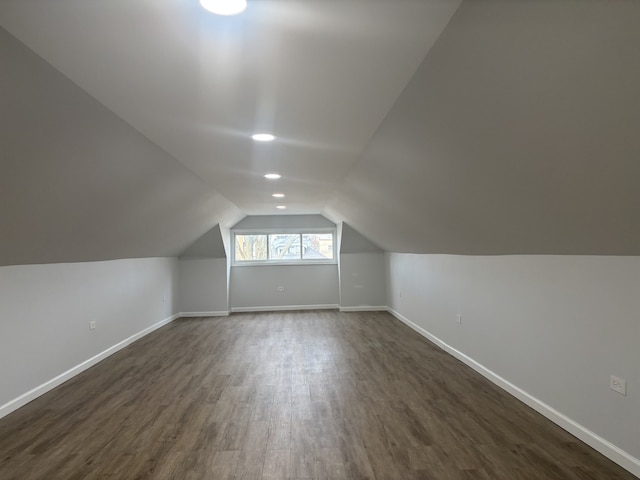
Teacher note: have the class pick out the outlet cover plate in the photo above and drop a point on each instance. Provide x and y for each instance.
(618, 385)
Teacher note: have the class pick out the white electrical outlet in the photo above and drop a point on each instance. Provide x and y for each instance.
(618, 385)
(92, 325)
(281, 289)
(459, 318)
(164, 298)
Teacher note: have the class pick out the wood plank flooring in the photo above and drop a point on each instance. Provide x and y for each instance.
(291, 395)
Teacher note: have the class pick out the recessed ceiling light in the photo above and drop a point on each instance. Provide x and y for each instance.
(273, 176)
(224, 7)
(281, 207)
(278, 195)
(263, 137)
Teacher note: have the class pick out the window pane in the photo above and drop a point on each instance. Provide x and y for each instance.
(284, 246)
(317, 246)
(250, 248)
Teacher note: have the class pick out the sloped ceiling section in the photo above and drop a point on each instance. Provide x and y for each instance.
(297, 222)
(519, 134)
(80, 184)
(209, 245)
(352, 241)
(319, 74)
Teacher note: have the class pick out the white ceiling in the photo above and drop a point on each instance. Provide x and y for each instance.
(319, 74)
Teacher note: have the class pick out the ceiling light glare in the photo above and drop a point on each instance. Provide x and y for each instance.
(281, 207)
(272, 176)
(278, 195)
(224, 7)
(263, 137)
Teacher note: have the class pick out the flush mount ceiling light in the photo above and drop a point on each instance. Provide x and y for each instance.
(272, 176)
(224, 7)
(278, 195)
(263, 137)
(281, 207)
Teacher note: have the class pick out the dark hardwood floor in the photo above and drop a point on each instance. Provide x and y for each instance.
(291, 395)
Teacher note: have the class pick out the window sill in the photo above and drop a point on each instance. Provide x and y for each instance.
(287, 264)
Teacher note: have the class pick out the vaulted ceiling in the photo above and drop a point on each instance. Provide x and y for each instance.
(487, 127)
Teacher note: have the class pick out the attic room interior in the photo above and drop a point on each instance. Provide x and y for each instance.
(320, 240)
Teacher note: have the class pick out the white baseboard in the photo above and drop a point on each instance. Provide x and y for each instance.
(608, 449)
(284, 307)
(34, 393)
(363, 308)
(221, 313)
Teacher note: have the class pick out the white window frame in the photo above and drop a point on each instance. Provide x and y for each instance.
(289, 230)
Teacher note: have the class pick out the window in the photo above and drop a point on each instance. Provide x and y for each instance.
(251, 248)
(317, 246)
(283, 247)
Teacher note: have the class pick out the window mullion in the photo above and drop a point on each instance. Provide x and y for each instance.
(268, 247)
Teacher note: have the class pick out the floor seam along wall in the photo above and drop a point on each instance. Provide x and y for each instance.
(16, 403)
(608, 449)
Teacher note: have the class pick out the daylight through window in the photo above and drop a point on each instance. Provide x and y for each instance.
(285, 247)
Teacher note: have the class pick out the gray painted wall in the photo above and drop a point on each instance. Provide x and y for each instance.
(363, 280)
(305, 286)
(362, 271)
(203, 285)
(555, 326)
(45, 312)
